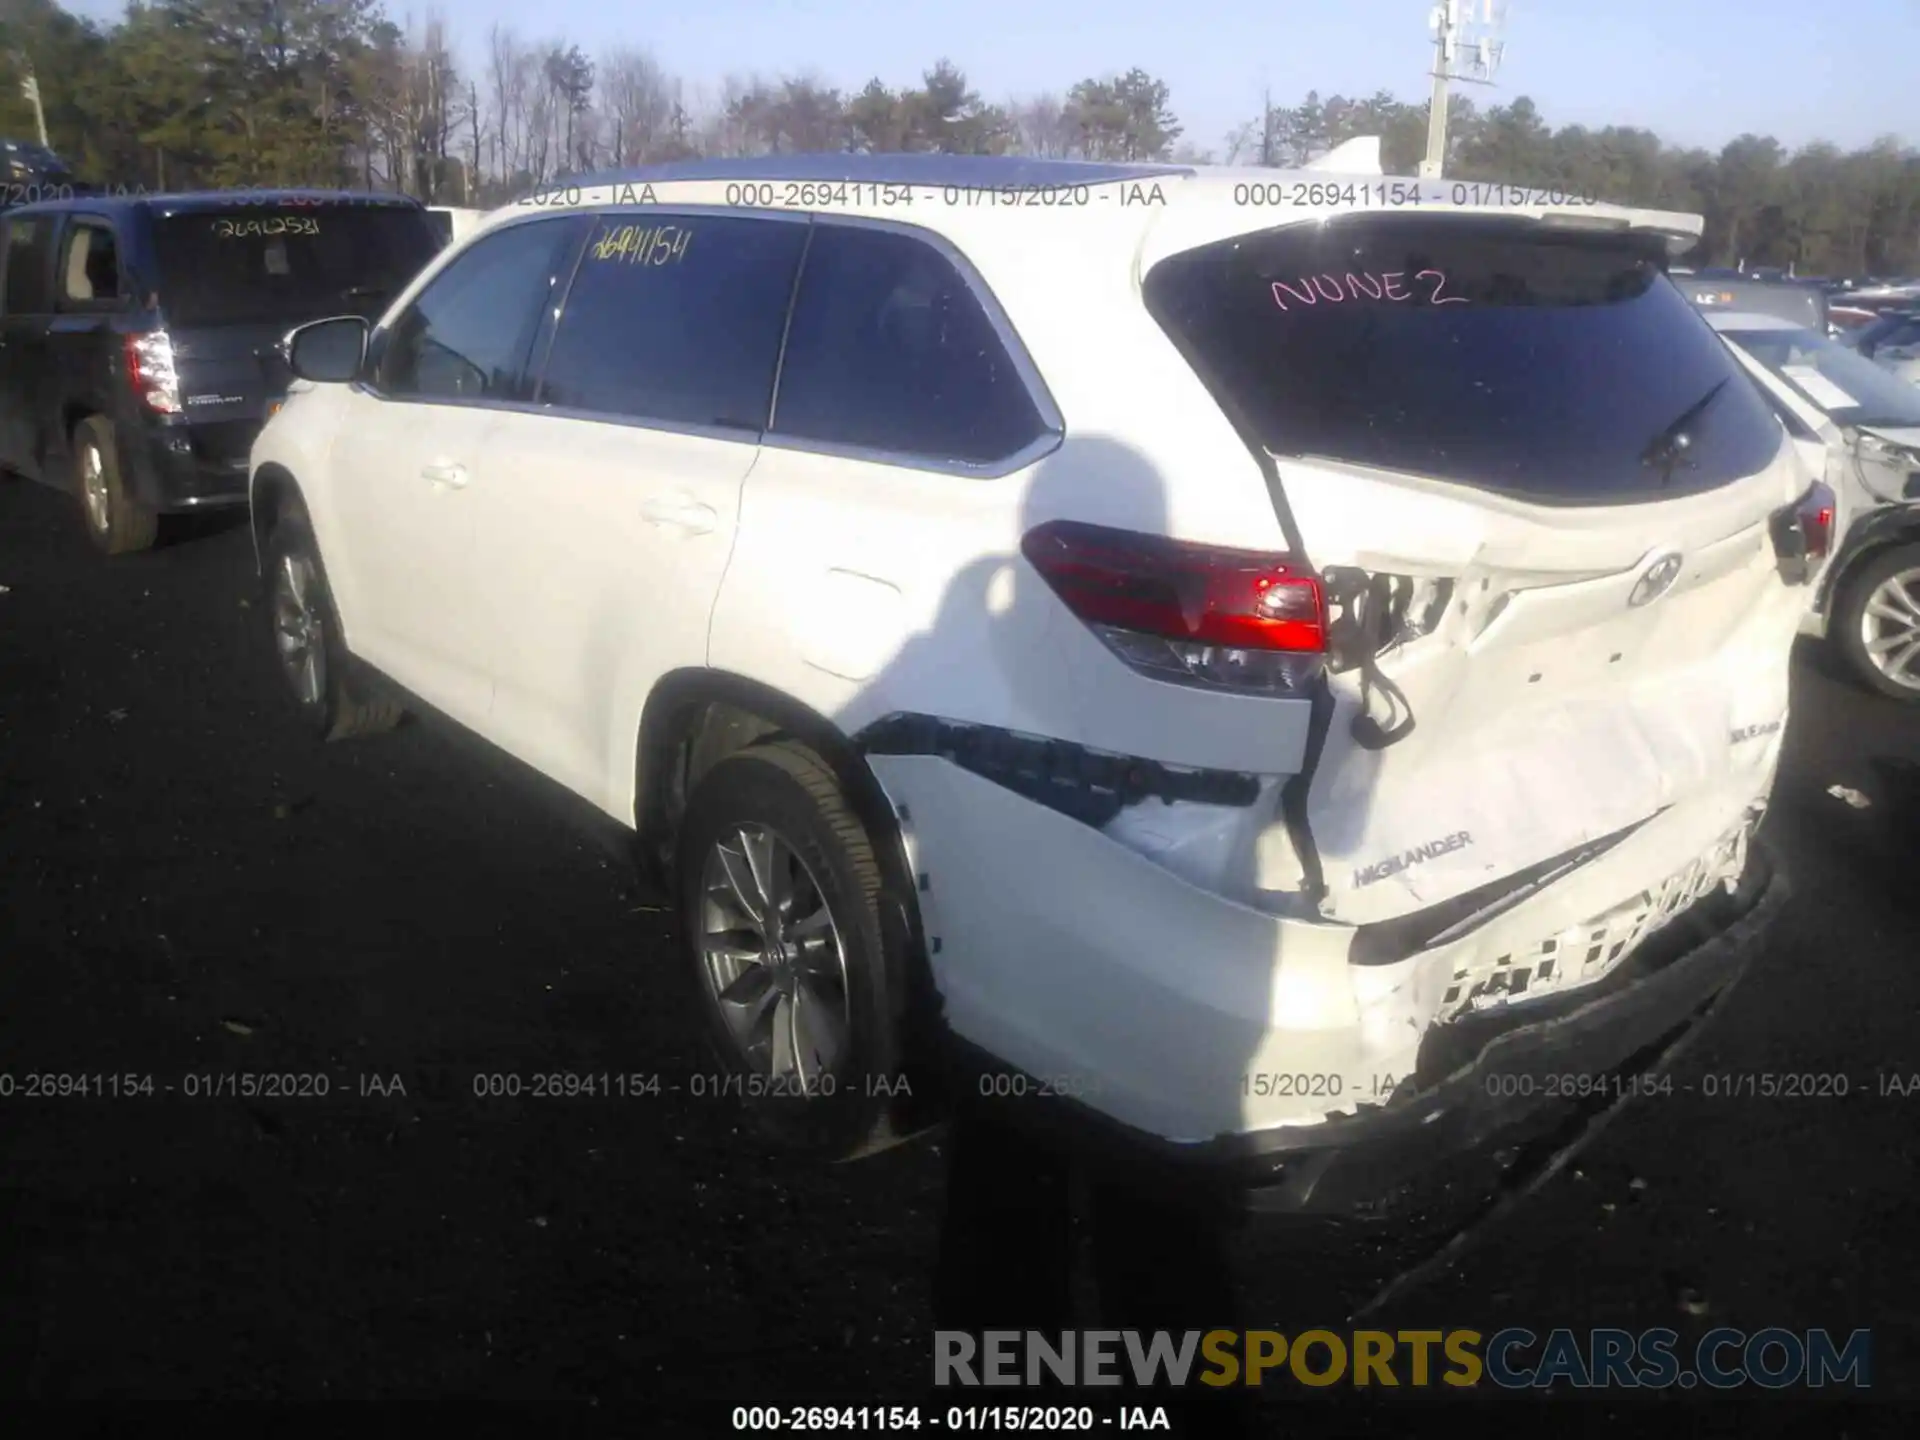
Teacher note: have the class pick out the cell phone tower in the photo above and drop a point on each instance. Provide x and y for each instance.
(1466, 47)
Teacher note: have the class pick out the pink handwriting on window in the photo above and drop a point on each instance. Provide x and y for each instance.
(1429, 285)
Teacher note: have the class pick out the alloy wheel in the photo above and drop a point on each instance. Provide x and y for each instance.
(298, 629)
(1890, 628)
(774, 959)
(93, 487)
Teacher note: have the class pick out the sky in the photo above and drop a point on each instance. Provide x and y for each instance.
(1697, 72)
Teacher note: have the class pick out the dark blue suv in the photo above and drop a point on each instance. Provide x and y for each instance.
(139, 335)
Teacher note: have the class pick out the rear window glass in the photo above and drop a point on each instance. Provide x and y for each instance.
(1557, 367)
(237, 264)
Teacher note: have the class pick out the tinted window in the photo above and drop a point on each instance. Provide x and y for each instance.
(677, 319)
(1848, 387)
(891, 350)
(89, 264)
(257, 263)
(28, 239)
(1888, 330)
(467, 334)
(1907, 334)
(1800, 303)
(1556, 366)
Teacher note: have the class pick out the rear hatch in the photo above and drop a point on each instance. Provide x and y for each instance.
(235, 278)
(1539, 489)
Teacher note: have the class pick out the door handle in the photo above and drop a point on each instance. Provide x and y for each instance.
(682, 512)
(454, 477)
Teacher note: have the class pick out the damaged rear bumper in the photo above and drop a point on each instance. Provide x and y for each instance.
(1485, 1080)
(1302, 1062)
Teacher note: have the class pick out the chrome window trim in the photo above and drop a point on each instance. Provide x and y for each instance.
(1035, 450)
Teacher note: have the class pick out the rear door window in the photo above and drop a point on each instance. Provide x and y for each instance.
(89, 271)
(29, 241)
(892, 350)
(241, 264)
(1558, 367)
(676, 319)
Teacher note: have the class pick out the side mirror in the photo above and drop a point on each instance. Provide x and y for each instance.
(328, 352)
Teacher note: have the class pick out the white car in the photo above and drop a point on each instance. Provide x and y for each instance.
(1867, 603)
(1891, 341)
(1242, 661)
(454, 223)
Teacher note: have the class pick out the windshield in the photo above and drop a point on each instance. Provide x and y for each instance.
(1558, 366)
(1842, 384)
(238, 265)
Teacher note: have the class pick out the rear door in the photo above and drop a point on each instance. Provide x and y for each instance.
(235, 278)
(607, 518)
(1539, 489)
(24, 315)
(83, 335)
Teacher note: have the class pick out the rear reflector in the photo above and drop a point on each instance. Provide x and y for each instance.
(1242, 620)
(1803, 533)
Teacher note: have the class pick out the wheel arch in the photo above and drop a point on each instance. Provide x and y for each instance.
(1870, 537)
(74, 414)
(273, 485)
(696, 717)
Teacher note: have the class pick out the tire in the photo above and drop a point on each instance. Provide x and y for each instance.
(304, 628)
(834, 1104)
(1870, 618)
(117, 523)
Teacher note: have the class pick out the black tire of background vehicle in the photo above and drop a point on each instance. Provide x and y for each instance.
(130, 525)
(1844, 624)
(341, 711)
(786, 786)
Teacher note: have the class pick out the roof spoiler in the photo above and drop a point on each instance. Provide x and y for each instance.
(1358, 156)
(1680, 232)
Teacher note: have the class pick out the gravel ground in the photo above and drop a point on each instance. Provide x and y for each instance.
(188, 889)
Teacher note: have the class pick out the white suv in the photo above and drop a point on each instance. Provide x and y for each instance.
(1242, 659)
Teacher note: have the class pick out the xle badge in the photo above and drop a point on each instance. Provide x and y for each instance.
(1656, 579)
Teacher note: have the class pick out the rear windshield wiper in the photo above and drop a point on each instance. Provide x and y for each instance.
(1668, 449)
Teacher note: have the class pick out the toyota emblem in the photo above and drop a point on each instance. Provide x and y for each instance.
(1656, 579)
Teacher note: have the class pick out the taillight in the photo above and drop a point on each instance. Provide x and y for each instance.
(1241, 620)
(1803, 533)
(1816, 511)
(150, 370)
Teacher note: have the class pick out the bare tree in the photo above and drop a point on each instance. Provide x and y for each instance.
(637, 103)
(1042, 126)
(507, 79)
